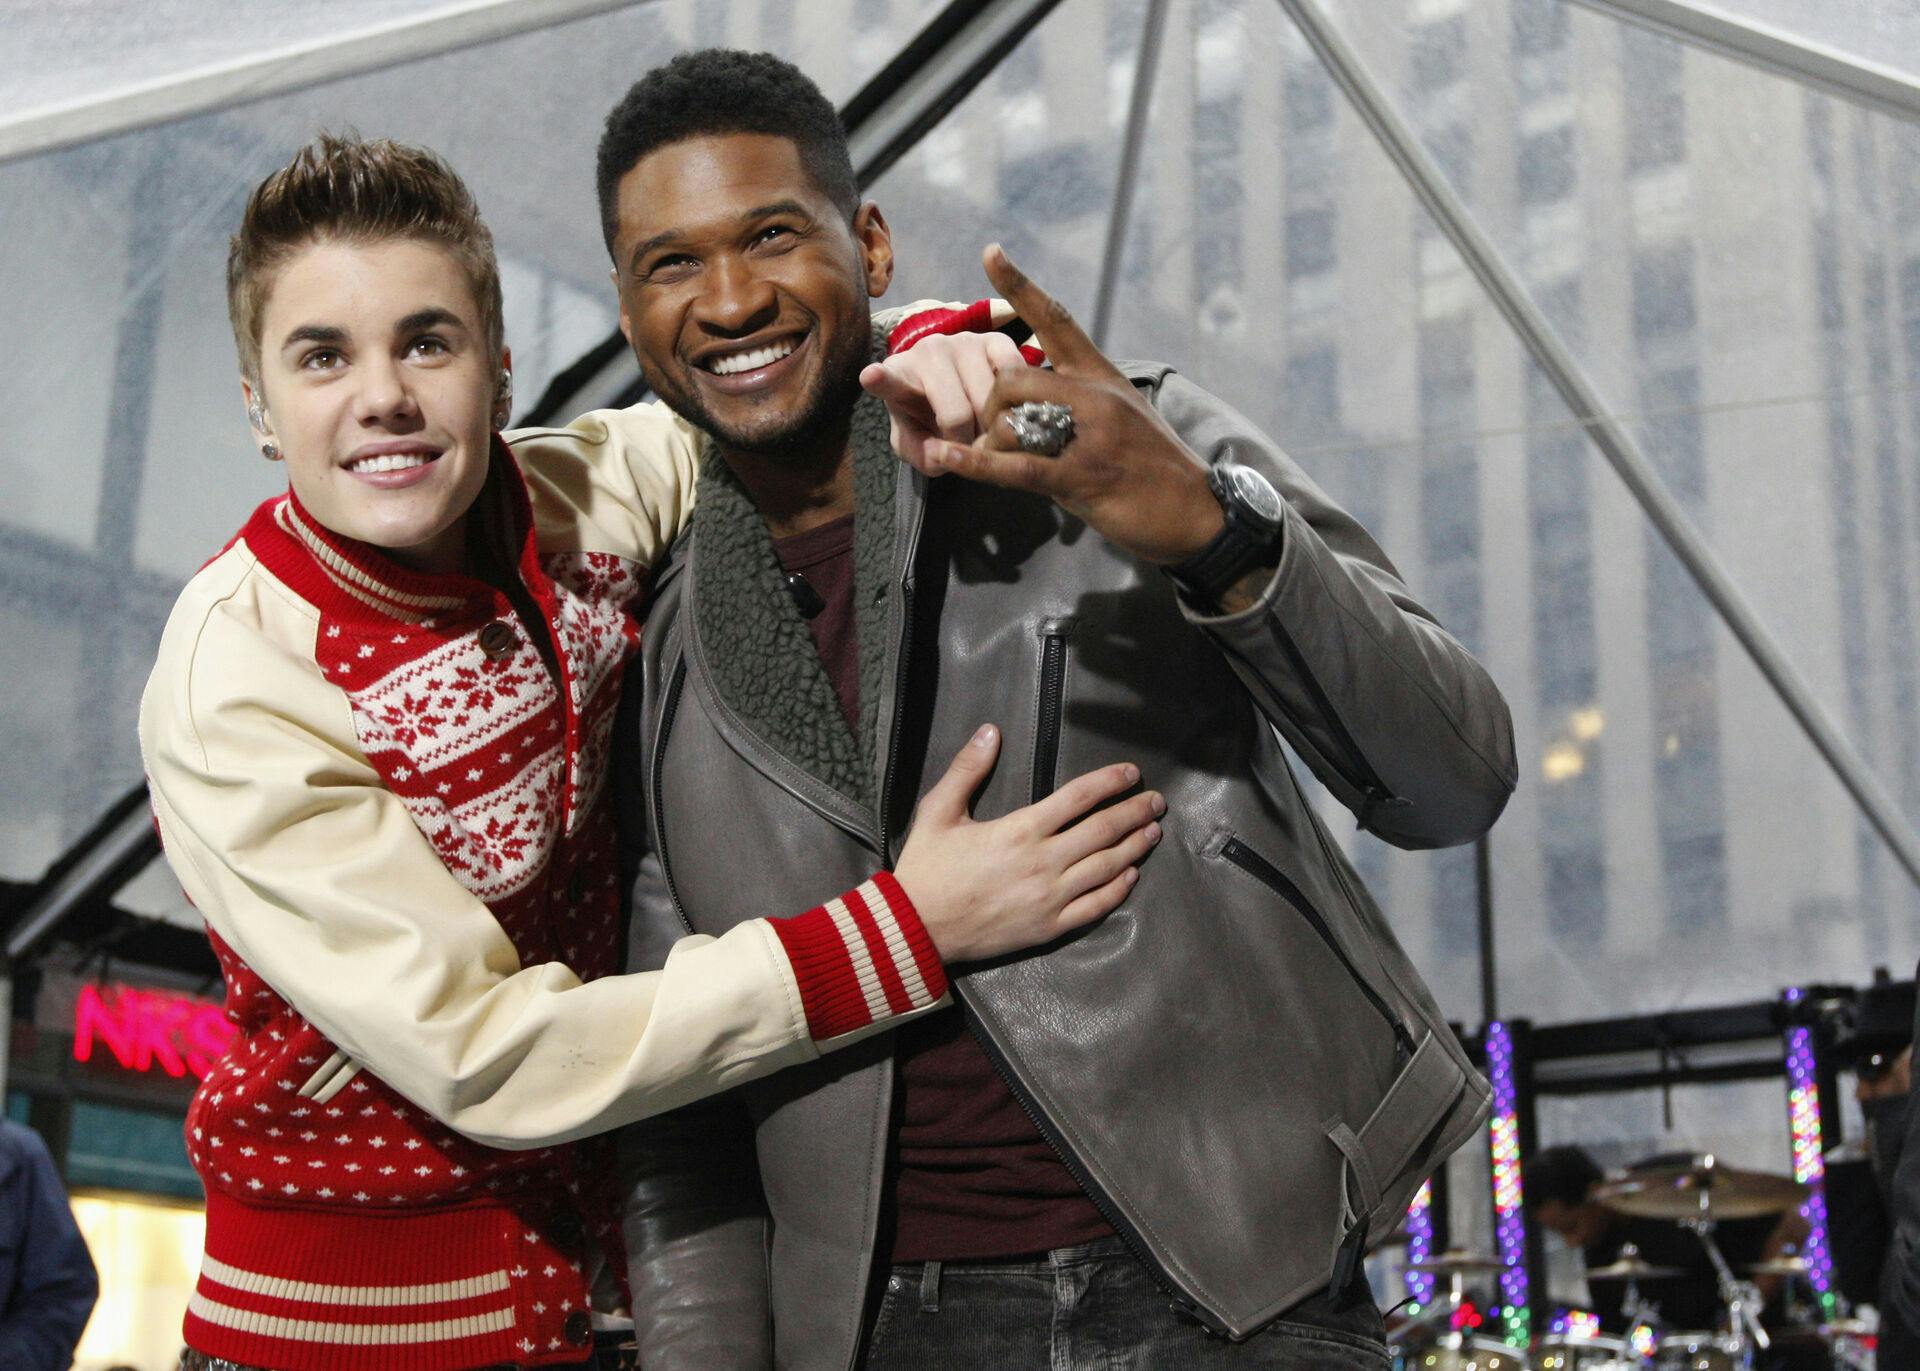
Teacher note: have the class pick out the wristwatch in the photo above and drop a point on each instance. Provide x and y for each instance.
(1249, 538)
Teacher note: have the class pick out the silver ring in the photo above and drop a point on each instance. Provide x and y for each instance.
(1041, 427)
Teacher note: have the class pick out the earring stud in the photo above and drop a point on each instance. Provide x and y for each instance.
(270, 451)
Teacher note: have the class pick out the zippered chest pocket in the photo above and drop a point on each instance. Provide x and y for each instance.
(1050, 702)
(1239, 854)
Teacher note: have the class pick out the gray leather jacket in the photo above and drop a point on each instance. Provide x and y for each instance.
(1240, 1064)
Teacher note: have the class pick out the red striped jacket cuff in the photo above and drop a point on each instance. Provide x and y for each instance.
(861, 958)
(974, 318)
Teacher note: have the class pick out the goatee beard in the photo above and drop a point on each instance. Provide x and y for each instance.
(822, 419)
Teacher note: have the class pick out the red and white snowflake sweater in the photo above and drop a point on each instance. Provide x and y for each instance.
(386, 800)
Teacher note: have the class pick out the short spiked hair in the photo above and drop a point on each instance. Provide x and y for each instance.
(717, 91)
(344, 187)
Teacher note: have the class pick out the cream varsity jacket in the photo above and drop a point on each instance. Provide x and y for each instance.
(305, 861)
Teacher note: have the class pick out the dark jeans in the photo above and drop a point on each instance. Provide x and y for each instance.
(1091, 1308)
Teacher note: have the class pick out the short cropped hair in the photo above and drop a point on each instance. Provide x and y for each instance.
(344, 187)
(1566, 1174)
(718, 91)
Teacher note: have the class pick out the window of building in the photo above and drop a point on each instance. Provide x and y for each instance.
(1566, 657)
(1539, 26)
(1560, 302)
(1576, 875)
(1310, 242)
(116, 1148)
(1689, 806)
(1218, 209)
(1546, 171)
(1450, 506)
(1451, 143)
(1309, 99)
(1446, 376)
(1053, 185)
(1453, 594)
(1663, 291)
(1440, 53)
(1313, 392)
(1679, 620)
(1652, 70)
(1696, 875)
(1456, 900)
(1674, 439)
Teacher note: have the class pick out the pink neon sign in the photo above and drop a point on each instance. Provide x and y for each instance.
(145, 1029)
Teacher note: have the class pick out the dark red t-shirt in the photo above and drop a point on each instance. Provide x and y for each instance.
(972, 1177)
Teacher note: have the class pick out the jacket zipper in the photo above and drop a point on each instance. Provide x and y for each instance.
(1270, 876)
(1117, 1221)
(1046, 733)
(1127, 1233)
(883, 802)
(1358, 769)
(667, 708)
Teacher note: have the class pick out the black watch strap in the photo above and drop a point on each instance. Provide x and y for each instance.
(1247, 538)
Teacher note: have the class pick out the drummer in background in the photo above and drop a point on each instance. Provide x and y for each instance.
(1560, 1182)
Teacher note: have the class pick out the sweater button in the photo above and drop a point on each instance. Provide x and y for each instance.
(577, 884)
(498, 640)
(579, 1329)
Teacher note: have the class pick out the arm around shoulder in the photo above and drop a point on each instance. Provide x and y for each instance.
(619, 481)
(319, 878)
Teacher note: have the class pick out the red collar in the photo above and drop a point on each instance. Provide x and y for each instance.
(349, 579)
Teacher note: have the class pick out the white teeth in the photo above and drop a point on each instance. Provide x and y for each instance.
(393, 461)
(748, 361)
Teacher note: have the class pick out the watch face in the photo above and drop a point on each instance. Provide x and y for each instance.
(1256, 494)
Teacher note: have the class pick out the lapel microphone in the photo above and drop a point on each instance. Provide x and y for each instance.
(805, 598)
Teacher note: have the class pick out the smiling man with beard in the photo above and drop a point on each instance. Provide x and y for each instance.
(1167, 1141)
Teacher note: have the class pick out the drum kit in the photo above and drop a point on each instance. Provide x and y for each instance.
(1698, 1196)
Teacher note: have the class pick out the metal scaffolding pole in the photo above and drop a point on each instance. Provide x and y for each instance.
(116, 849)
(935, 72)
(1772, 50)
(267, 75)
(1583, 397)
(1146, 63)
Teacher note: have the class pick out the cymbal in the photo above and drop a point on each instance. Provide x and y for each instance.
(1458, 1262)
(1701, 1190)
(1631, 1266)
(1780, 1266)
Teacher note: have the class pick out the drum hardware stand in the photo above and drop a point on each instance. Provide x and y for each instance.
(1742, 1299)
(1440, 1319)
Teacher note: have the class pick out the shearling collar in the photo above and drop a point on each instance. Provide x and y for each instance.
(758, 651)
